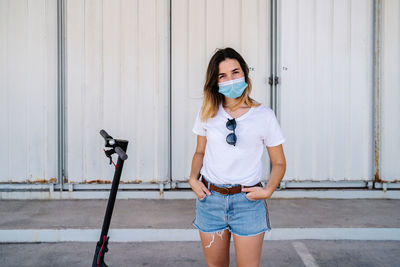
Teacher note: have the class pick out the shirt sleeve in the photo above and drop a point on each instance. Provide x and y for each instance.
(273, 135)
(199, 126)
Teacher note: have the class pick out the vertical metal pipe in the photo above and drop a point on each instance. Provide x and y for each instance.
(377, 84)
(170, 95)
(60, 91)
(271, 51)
(273, 58)
(276, 57)
(273, 55)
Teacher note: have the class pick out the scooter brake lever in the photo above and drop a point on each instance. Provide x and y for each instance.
(109, 153)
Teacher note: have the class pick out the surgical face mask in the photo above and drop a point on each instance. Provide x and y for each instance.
(233, 88)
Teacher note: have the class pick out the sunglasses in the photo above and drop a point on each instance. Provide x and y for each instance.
(231, 138)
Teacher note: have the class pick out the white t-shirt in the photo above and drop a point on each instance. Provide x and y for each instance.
(241, 164)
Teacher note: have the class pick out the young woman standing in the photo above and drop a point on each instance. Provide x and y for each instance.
(232, 130)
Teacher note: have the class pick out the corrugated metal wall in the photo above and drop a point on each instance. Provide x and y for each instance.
(326, 94)
(198, 28)
(390, 92)
(117, 79)
(28, 87)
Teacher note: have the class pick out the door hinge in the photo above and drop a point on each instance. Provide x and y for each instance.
(273, 80)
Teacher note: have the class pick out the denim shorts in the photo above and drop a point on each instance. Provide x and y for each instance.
(240, 215)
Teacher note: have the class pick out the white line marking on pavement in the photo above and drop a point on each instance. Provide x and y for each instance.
(304, 254)
(155, 235)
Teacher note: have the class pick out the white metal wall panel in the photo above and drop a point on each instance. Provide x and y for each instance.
(390, 92)
(117, 79)
(28, 88)
(198, 29)
(326, 90)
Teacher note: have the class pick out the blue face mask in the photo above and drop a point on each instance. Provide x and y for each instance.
(233, 88)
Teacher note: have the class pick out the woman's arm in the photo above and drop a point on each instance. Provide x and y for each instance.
(197, 162)
(278, 162)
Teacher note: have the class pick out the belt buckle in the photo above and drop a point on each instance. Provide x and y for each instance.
(227, 191)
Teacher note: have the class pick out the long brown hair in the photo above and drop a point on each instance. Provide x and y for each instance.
(212, 98)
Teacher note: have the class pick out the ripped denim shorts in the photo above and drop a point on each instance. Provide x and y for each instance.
(239, 214)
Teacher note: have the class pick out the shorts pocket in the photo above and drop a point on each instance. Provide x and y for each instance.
(245, 195)
(203, 199)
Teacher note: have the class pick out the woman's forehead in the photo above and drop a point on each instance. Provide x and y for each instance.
(228, 64)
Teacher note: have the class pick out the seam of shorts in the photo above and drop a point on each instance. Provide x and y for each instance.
(267, 214)
(264, 230)
(209, 232)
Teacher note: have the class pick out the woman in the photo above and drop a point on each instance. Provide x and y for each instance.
(232, 130)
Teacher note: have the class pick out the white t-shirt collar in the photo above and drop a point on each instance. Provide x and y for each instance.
(226, 114)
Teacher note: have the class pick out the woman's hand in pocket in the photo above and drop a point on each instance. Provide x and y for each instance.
(257, 192)
(198, 188)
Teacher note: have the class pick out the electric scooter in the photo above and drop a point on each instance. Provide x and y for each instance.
(119, 147)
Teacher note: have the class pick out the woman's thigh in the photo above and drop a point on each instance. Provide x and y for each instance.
(216, 247)
(248, 250)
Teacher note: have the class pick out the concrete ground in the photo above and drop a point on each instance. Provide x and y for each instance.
(179, 214)
(275, 253)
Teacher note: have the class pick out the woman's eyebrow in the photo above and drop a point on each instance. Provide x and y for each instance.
(221, 73)
(235, 69)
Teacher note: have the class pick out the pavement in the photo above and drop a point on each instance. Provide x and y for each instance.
(150, 232)
(190, 254)
(179, 214)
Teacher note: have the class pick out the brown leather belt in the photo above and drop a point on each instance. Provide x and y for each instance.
(227, 190)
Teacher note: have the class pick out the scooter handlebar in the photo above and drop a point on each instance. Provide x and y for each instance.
(105, 135)
(121, 153)
(109, 140)
(114, 143)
